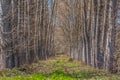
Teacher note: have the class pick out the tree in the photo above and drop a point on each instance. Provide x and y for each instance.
(27, 31)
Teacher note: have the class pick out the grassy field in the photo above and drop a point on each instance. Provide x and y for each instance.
(60, 67)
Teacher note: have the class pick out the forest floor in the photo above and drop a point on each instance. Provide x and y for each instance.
(60, 67)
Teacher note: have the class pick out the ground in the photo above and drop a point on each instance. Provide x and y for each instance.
(60, 67)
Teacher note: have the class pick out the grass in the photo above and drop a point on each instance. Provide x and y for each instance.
(59, 67)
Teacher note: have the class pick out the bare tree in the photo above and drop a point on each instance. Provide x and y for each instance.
(88, 26)
(27, 30)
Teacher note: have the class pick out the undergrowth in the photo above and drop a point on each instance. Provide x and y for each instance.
(59, 67)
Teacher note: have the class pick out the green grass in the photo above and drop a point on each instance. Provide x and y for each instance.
(57, 68)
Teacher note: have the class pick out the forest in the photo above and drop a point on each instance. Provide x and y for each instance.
(84, 32)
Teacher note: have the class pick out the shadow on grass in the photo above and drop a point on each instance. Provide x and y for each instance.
(57, 74)
(88, 74)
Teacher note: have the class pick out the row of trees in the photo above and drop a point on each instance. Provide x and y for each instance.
(27, 31)
(96, 23)
(88, 27)
(90, 31)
